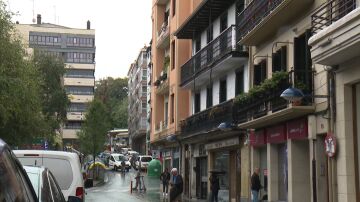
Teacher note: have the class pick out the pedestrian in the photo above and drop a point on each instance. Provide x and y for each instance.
(176, 186)
(255, 185)
(165, 178)
(137, 181)
(214, 187)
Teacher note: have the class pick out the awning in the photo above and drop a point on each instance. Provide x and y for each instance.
(199, 19)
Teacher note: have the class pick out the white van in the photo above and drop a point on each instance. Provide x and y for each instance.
(65, 166)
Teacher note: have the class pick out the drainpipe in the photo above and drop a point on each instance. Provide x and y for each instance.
(331, 163)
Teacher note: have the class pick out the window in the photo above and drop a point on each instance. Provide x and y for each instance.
(173, 7)
(79, 73)
(260, 72)
(73, 125)
(172, 55)
(172, 104)
(222, 97)
(197, 102)
(77, 107)
(209, 97)
(197, 44)
(302, 60)
(79, 90)
(209, 34)
(239, 82)
(223, 22)
(80, 57)
(279, 60)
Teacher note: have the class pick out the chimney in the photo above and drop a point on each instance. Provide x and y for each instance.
(38, 19)
(88, 24)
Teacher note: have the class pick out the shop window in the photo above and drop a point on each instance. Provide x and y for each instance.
(260, 72)
(209, 97)
(197, 102)
(239, 82)
(222, 97)
(279, 60)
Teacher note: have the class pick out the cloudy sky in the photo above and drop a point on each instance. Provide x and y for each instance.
(122, 27)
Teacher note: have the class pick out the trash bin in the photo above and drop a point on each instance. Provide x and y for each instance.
(154, 168)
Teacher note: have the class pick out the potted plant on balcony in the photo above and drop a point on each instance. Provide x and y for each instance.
(157, 83)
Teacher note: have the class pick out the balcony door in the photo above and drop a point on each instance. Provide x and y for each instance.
(303, 62)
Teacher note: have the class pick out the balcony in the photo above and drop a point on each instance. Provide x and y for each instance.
(162, 84)
(79, 81)
(336, 28)
(261, 19)
(163, 38)
(219, 56)
(208, 119)
(161, 130)
(263, 105)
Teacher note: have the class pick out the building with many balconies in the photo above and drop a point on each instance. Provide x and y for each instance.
(77, 48)
(169, 102)
(216, 72)
(137, 110)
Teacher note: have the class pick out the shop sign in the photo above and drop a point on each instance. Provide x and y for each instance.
(257, 138)
(330, 145)
(297, 129)
(167, 154)
(222, 144)
(276, 134)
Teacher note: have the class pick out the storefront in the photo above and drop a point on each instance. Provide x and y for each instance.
(201, 171)
(225, 161)
(283, 155)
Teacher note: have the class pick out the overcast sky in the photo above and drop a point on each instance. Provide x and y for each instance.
(122, 27)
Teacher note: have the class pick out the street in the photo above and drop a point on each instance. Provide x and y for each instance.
(117, 188)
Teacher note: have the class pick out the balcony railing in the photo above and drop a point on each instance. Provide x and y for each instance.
(270, 101)
(208, 119)
(163, 33)
(253, 14)
(330, 12)
(210, 54)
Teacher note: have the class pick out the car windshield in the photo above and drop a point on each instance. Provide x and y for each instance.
(146, 159)
(120, 158)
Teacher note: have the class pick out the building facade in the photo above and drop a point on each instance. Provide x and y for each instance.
(77, 48)
(169, 103)
(216, 72)
(137, 110)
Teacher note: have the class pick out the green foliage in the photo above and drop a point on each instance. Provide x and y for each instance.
(94, 130)
(259, 91)
(53, 96)
(112, 92)
(20, 106)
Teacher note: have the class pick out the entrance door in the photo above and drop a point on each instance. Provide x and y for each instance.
(283, 172)
(201, 177)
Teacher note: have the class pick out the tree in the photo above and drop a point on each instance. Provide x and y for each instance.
(20, 105)
(113, 93)
(94, 130)
(53, 95)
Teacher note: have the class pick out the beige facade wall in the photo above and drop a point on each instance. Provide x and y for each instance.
(70, 134)
(75, 116)
(80, 66)
(79, 81)
(81, 98)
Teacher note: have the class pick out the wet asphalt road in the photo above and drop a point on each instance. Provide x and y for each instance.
(117, 188)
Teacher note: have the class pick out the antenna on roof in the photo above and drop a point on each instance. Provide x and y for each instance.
(33, 10)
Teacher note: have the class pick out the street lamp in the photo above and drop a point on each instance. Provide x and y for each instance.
(295, 94)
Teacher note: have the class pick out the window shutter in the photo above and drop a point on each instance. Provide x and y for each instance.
(283, 57)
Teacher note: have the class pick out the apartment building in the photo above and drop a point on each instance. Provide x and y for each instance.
(137, 110)
(169, 103)
(335, 44)
(77, 48)
(216, 72)
(148, 99)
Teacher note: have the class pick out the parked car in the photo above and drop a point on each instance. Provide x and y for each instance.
(15, 184)
(143, 162)
(125, 150)
(65, 166)
(115, 161)
(44, 184)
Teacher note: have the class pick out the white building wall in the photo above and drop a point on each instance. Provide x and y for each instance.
(203, 98)
(230, 85)
(231, 15)
(216, 28)
(216, 91)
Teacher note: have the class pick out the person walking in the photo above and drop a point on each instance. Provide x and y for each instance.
(176, 186)
(255, 185)
(214, 187)
(165, 178)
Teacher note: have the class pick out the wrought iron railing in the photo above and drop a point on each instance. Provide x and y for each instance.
(271, 101)
(212, 53)
(330, 12)
(208, 119)
(253, 14)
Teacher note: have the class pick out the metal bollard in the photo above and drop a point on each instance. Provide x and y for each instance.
(131, 187)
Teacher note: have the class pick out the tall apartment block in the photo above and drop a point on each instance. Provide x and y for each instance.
(169, 103)
(137, 110)
(77, 48)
